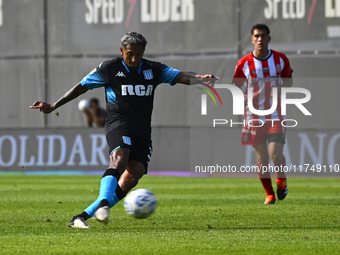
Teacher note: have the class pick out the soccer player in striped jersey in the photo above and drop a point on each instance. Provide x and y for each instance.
(129, 83)
(260, 71)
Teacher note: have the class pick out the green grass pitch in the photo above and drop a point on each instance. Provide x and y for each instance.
(194, 216)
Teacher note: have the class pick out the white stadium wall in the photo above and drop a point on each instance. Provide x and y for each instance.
(40, 62)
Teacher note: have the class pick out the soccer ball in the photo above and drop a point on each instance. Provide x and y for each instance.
(140, 203)
(83, 105)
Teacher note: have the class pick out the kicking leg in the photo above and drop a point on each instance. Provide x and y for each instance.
(109, 185)
(128, 180)
(108, 189)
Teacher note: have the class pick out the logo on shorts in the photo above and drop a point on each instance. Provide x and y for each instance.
(148, 75)
(245, 137)
(127, 140)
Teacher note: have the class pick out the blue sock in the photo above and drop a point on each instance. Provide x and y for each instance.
(108, 186)
(115, 200)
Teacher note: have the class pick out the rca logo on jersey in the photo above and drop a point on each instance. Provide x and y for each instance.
(137, 90)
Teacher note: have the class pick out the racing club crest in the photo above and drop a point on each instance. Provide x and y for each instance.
(148, 75)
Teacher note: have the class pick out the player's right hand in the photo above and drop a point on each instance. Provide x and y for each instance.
(210, 79)
(42, 106)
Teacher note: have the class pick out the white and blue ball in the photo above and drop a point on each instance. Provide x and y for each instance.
(140, 203)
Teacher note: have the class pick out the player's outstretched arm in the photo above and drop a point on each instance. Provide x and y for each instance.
(76, 91)
(190, 78)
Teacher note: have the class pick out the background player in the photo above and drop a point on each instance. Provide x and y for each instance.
(95, 114)
(260, 70)
(129, 83)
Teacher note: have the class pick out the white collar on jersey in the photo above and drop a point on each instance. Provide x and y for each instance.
(270, 52)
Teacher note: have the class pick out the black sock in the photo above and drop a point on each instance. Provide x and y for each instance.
(104, 202)
(83, 215)
(113, 172)
(119, 192)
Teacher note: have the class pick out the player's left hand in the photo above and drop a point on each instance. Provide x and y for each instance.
(42, 106)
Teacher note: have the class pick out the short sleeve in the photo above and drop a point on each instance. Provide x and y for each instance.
(287, 70)
(239, 77)
(167, 75)
(95, 79)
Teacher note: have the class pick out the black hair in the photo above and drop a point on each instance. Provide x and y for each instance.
(260, 27)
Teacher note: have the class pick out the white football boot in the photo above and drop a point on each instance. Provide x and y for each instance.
(78, 223)
(103, 214)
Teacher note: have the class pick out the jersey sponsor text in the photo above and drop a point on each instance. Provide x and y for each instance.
(138, 90)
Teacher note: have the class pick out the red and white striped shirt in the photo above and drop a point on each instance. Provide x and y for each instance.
(260, 76)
